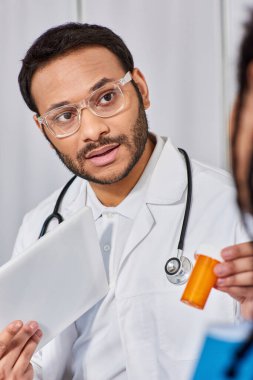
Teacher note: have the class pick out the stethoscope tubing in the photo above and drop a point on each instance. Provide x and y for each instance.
(55, 214)
(188, 200)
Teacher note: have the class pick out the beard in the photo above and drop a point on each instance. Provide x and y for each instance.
(134, 143)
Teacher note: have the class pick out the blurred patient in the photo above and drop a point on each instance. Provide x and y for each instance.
(242, 127)
(242, 152)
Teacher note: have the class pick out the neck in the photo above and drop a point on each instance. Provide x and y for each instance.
(113, 194)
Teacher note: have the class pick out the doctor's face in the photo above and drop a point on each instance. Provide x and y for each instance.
(102, 150)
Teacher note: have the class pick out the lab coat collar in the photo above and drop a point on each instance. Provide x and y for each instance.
(169, 178)
(167, 184)
(75, 197)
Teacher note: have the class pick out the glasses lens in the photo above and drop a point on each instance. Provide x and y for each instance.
(107, 101)
(63, 120)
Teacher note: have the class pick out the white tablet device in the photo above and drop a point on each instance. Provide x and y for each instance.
(57, 279)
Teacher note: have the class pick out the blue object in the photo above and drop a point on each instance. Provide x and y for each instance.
(227, 353)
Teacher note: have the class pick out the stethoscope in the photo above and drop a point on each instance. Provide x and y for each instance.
(177, 268)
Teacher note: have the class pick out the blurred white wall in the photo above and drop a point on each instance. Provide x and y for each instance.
(235, 14)
(177, 44)
(28, 167)
(185, 48)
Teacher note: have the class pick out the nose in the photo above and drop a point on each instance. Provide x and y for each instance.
(92, 126)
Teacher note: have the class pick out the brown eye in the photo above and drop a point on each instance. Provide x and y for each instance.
(106, 98)
(65, 116)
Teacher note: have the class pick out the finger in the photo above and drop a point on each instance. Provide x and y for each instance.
(17, 344)
(29, 372)
(237, 251)
(8, 334)
(240, 293)
(241, 279)
(232, 267)
(22, 364)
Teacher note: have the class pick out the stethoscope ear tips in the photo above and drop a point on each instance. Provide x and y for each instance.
(178, 270)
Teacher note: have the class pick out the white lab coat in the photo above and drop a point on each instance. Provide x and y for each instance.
(160, 335)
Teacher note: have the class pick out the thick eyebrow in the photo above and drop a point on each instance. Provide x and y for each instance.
(101, 83)
(95, 87)
(56, 105)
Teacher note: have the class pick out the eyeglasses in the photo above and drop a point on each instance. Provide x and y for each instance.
(104, 102)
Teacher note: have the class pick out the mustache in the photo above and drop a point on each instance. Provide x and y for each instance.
(121, 139)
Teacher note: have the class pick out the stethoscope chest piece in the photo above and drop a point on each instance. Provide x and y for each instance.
(178, 270)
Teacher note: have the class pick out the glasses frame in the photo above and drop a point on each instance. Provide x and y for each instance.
(83, 104)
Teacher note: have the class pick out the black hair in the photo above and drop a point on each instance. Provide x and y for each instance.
(64, 39)
(245, 59)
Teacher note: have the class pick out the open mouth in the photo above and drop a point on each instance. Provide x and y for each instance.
(101, 151)
(104, 155)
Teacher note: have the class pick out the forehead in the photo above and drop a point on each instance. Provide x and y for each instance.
(68, 77)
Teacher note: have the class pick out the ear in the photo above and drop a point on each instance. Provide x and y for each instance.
(42, 129)
(35, 118)
(140, 80)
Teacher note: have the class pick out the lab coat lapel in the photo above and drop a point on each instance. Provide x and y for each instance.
(169, 178)
(75, 198)
(142, 226)
(167, 185)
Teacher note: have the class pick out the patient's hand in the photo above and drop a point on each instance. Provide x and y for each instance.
(235, 275)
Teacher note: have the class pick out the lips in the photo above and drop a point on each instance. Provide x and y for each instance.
(101, 151)
(104, 155)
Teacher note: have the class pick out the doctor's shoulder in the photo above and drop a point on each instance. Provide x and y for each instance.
(214, 188)
(214, 194)
(33, 220)
(211, 174)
